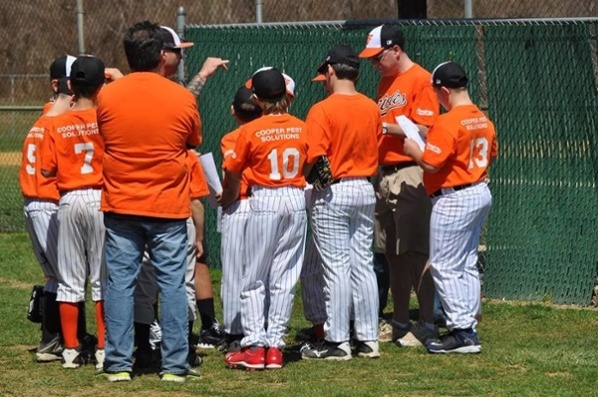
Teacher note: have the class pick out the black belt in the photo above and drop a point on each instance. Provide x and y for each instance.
(396, 167)
(455, 188)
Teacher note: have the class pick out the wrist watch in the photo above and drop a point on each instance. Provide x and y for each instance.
(384, 128)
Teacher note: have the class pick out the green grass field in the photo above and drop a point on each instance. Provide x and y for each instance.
(528, 350)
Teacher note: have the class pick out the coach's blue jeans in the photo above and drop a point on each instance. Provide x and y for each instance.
(166, 241)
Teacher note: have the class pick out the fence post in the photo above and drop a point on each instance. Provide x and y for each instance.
(468, 9)
(258, 11)
(80, 36)
(180, 27)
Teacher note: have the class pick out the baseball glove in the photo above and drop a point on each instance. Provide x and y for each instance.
(34, 312)
(320, 175)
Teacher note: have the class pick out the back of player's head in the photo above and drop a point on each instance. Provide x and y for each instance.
(143, 44)
(268, 84)
(60, 71)
(449, 75)
(87, 75)
(382, 38)
(246, 109)
(344, 61)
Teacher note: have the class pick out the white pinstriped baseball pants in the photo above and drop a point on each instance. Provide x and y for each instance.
(343, 226)
(41, 222)
(81, 246)
(274, 247)
(232, 258)
(455, 227)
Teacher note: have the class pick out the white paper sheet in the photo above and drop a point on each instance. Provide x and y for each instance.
(211, 173)
(411, 130)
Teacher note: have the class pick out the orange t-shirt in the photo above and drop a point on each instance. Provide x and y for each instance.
(461, 143)
(147, 122)
(410, 94)
(346, 129)
(47, 107)
(227, 147)
(198, 186)
(274, 149)
(74, 150)
(33, 184)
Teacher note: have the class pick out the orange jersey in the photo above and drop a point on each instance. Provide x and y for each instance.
(274, 149)
(147, 121)
(74, 150)
(409, 94)
(47, 106)
(198, 186)
(33, 184)
(461, 143)
(227, 148)
(346, 129)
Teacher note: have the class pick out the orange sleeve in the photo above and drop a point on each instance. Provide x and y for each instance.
(440, 144)
(198, 186)
(318, 134)
(236, 161)
(425, 105)
(48, 152)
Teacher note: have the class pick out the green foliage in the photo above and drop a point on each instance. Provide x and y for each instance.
(529, 350)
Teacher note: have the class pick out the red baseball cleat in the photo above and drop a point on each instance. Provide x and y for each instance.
(250, 357)
(274, 358)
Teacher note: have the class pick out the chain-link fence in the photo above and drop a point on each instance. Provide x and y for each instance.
(538, 80)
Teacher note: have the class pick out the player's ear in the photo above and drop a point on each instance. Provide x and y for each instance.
(54, 83)
(232, 110)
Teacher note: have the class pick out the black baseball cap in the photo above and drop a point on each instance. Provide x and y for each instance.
(87, 71)
(60, 70)
(268, 83)
(244, 104)
(449, 75)
(381, 38)
(341, 53)
(172, 41)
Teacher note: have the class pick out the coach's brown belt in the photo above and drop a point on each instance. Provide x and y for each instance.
(389, 169)
(440, 192)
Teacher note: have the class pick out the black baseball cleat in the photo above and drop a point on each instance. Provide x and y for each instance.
(462, 341)
(328, 351)
(210, 338)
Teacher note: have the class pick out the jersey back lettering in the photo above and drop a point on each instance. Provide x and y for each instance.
(33, 184)
(74, 150)
(274, 149)
(461, 143)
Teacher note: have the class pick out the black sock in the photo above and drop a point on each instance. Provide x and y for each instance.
(81, 323)
(207, 314)
(50, 317)
(142, 335)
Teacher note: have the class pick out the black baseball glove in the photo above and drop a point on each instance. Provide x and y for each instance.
(320, 175)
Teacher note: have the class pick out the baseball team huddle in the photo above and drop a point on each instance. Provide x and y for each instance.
(395, 195)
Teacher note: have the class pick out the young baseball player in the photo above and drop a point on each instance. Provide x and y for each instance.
(343, 213)
(460, 147)
(41, 209)
(402, 206)
(73, 153)
(234, 218)
(273, 148)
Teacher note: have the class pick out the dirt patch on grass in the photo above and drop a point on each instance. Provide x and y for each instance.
(14, 284)
(10, 158)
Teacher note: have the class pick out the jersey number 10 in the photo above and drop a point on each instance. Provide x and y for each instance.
(289, 156)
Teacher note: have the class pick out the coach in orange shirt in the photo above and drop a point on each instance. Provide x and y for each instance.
(344, 128)
(147, 123)
(402, 207)
(460, 147)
